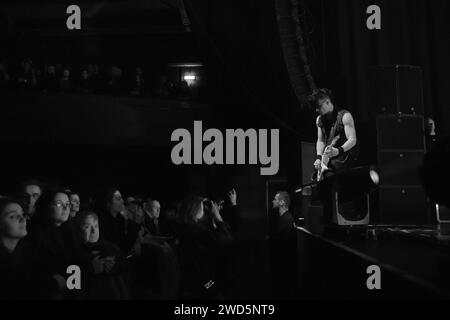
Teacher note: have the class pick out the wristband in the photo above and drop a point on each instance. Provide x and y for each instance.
(341, 150)
(319, 157)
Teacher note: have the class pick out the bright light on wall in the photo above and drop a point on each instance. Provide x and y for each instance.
(189, 78)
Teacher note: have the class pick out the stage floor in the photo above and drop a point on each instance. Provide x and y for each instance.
(417, 254)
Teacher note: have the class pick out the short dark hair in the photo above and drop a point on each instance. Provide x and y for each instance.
(83, 215)
(320, 94)
(32, 182)
(284, 195)
(5, 201)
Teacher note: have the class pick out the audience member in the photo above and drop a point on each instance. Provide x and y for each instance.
(15, 263)
(204, 248)
(65, 83)
(108, 277)
(129, 251)
(50, 79)
(166, 89)
(26, 77)
(56, 242)
(31, 191)
(115, 81)
(169, 221)
(283, 246)
(431, 137)
(74, 204)
(152, 209)
(131, 205)
(85, 82)
(183, 90)
(114, 223)
(158, 266)
(230, 211)
(137, 83)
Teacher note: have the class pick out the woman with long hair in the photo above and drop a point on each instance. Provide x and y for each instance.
(56, 242)
(15, 255)
(204, 242)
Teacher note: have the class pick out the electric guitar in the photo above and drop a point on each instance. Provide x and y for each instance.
(325, 159)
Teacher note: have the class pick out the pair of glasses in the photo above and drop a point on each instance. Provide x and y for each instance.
(63, 205)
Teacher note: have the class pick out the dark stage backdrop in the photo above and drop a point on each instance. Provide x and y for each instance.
(248, 82)
(242, 45)
(247, 74)
(412, 33)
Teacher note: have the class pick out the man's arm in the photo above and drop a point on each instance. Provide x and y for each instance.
(320, 144)
(350, 132)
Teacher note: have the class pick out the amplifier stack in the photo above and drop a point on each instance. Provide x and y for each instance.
(397, 98)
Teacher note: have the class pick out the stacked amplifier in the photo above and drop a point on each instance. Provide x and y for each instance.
(396, 95)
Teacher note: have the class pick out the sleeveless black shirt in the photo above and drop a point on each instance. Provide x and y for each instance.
(335, 128)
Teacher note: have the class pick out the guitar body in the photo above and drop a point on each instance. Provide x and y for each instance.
(323, 167)
(336, 164)
(325, 160)
(340, 162)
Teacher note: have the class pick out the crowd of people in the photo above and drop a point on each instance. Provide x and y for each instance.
(130, 248)
(90, 78)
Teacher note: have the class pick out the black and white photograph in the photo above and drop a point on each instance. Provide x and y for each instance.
(224, 158)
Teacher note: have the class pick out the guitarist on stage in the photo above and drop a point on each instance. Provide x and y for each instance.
(336, 146)
(336, 134)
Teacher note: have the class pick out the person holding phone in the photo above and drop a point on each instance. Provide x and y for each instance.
(205, 240)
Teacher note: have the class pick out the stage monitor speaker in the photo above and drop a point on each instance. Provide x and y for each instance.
(404, 132)
(442, 214)
(396, 89)
(351, 212)
(400, 167)
(403, 205)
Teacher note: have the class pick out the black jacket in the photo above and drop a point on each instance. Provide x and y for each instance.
(106, 285)
(16, 272)
(204, 253)
(120, 231)
(56, 248)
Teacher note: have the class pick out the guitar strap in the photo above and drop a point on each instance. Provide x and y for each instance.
(334, 128)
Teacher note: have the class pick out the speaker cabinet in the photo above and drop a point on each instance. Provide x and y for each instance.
(351, 212)
(400, 132)
(396, 89)
(403, 205)
(400, 167)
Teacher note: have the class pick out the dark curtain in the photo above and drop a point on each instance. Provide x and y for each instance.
(243, 55)
(247, 76)
(412, 33)
(245, 64)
